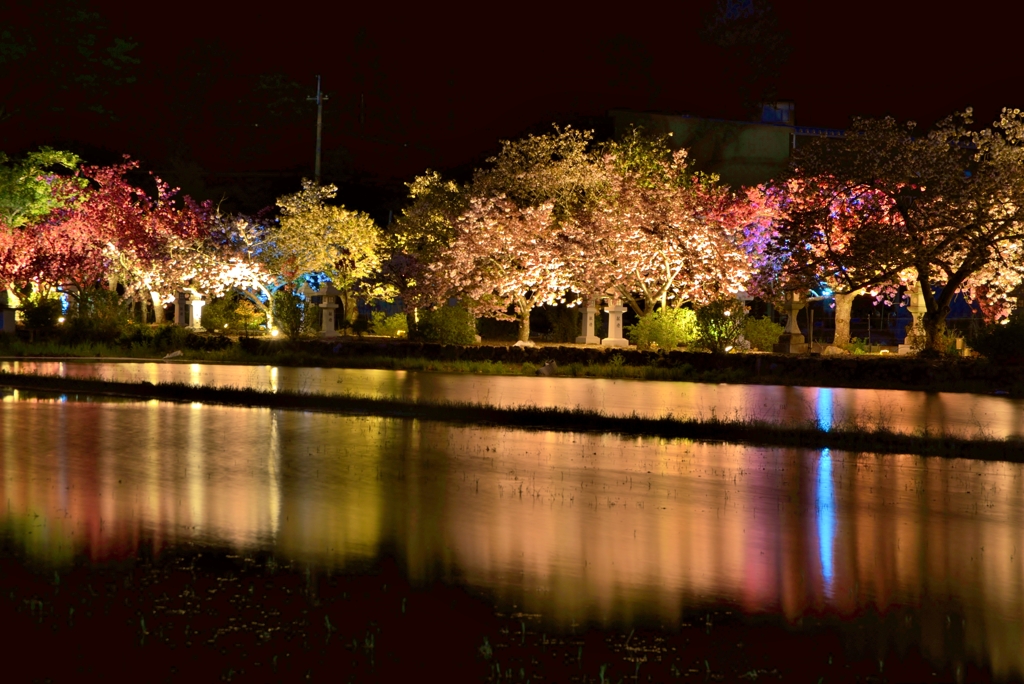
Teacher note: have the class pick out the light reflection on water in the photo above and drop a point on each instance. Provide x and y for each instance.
(575, 527)
(824, 503)
(911, 411)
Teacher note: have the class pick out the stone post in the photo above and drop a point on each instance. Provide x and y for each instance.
(792, 340)
(180, 311)
(197, 303)
(915, 331)
(7, 319)
(615, 311)
(329, 305)
(587, 333)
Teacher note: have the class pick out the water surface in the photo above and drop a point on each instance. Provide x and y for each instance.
(575, 527)
(910, 411)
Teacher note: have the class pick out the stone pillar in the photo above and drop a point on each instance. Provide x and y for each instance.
(917, 309)
(587, 333)
(329, 305)
(615, 311)
(7, 320)
(180, 311)
(197, 304)
(792, 340)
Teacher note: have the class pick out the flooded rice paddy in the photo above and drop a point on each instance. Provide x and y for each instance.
(575, 530)
(908, 411)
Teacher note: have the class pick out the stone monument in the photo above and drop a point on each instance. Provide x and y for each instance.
(792, 340)
(587, 333)
(615, 311)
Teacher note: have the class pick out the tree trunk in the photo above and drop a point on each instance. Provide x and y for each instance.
(159, 315)
(349, 303)
(934, 327)
(844, 305)
(524, 327)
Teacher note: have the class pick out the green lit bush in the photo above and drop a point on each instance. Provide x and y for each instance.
(294, 316)
(40, 312)
(666, 328)
(447, 325)
(221, 314)
(720, 324)
(762, 333)
(395, 325)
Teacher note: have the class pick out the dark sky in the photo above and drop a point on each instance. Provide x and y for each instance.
(442, 85)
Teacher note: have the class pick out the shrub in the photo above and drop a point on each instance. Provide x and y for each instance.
(762, 333)
(40, 312)
(447, 325)
(720, 324)
(667, 328)
(394, 325)
(221, 314)
(294, 316)
(101, 316)
(248, 316)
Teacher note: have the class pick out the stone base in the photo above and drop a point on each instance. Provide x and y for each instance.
(590, 339)
(7, 320)
(791, 344)
(329, 333)
(614, 342)
(905, 349)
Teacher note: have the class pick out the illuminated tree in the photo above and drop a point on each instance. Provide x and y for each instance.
(312, 236)
(501, 257)
(107, 232)
(27, 192)
(660, 235)
(423, 231)
(554, 169)
(946, 204)
(834, 236)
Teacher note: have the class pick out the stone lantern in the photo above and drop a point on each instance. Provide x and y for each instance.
(792, 340)
(917, 308)
(587, 333)
(181, 310)
(615, 311)
(197, 303)
(329, 305)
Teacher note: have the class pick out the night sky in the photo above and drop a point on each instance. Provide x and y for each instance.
(439, 87)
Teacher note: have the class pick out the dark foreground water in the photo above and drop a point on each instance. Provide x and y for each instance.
(909, 411)
(899, 558)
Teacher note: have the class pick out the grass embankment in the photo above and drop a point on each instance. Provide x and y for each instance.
(863, 371)
(847, 437)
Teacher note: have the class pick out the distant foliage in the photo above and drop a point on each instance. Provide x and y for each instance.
(1002, 342)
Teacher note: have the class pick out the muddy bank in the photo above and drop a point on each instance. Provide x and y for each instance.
(213, 615)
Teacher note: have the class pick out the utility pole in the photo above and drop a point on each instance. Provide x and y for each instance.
(319, 99)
